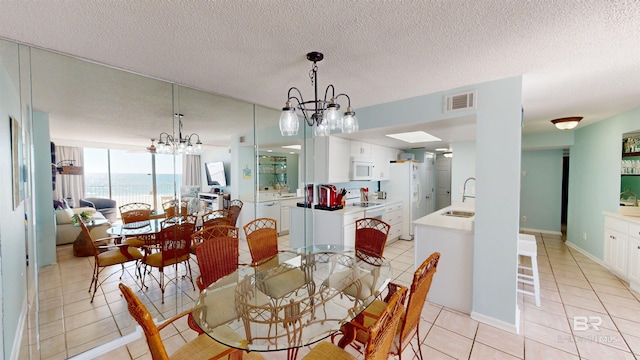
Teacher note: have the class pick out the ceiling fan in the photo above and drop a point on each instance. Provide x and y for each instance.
(152, 148)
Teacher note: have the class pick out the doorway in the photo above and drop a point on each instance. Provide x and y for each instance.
(565, 194)
(443, 182)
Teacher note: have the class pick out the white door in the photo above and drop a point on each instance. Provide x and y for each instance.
(428, 189)
(443, 182)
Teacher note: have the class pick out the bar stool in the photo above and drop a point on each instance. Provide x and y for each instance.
(527, 247)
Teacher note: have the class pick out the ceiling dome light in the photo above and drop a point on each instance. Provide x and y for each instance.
(566, 123)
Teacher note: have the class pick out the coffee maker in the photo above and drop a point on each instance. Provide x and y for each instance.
(327, 196)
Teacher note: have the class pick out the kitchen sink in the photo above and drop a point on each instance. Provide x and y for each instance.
(458, 213)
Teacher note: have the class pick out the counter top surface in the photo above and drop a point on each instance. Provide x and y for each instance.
(349, 209)
(267, 198)
(618, 215)
(436, 219)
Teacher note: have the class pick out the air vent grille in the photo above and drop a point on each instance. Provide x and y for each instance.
(459, 102)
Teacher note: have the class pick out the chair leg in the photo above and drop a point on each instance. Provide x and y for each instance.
(190, 275)
(162, 282)
(95, 283)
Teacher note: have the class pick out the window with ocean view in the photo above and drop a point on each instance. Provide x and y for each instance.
(127, 176)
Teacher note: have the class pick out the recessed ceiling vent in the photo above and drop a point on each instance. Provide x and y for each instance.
(459, 102)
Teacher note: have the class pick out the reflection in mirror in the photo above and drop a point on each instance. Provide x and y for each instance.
(630, 169)
(107, 112)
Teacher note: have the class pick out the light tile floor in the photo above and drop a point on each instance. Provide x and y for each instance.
(576, 292)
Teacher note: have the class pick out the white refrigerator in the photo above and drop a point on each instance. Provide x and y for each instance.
(404, 184)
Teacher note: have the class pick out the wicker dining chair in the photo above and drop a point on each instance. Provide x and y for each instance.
(174, 242)
(217, 254)
(262, 238)
(202, 347)
(133, 212)
(113, 255)
(410, 323)
(235, 206)
(380, 339)
(169, 208)
(216, 217)
(371, 237)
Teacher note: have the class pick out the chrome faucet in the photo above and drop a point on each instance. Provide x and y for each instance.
(464, 189)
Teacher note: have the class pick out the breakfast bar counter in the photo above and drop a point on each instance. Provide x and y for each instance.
(448, 231)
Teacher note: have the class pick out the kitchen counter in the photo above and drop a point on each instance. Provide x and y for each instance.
(436, 219)
(452, 237)
(268, 197)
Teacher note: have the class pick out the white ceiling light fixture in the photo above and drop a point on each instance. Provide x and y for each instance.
(294, 147)
(448, 154)
(414, 137)
(442, 149)
(324, 113)
(167, 144)
(567, 123)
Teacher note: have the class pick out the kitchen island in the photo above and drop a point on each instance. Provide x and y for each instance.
(337, 227)
(448, 231)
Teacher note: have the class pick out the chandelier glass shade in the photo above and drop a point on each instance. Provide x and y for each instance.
(323, 114)
(167, 144)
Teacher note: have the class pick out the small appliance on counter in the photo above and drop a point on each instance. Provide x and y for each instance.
(382, 195)
(308, 197)
(328, 198)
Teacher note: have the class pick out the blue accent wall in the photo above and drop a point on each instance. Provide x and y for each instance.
(541, 190)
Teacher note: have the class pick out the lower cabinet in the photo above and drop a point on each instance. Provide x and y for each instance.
(622, 248)
(393, 216)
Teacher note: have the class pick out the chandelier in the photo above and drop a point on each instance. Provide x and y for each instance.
(322, 113)
(167, 144)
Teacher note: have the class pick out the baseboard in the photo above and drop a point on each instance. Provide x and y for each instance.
(541, 231)
(585, 253)
(17, 339)
(512, 328)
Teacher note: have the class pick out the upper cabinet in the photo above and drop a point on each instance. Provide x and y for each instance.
(331, 164)
(382, 157)
(360, 149)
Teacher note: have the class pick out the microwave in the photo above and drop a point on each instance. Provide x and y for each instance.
(361, 169)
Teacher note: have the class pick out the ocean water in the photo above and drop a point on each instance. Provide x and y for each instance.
(130, 185)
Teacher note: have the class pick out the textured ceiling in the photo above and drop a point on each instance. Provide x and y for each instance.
(577, 58)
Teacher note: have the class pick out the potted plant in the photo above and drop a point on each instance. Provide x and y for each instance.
(86, 216)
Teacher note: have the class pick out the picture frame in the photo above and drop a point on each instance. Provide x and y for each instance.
(16, 162)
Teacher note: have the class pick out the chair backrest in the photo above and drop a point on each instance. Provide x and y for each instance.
(169, 208)
(422, 279)
(133, 212)
(262, 238)
(371, 237)
(235, 206)
(142, 316)
(217, 254)
(175, 240)
(87, 233)
(383, 331)
(216, 217)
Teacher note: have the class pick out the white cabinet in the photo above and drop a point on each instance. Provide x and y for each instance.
(382, 157)
(616, 244)
(393, 216)
(336, 228)
(285, 212)
(349, 228)
(622, 247)
(360, 149)
(330, 163)
(633, 266)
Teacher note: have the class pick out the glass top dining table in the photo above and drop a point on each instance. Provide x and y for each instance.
(293, 299)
